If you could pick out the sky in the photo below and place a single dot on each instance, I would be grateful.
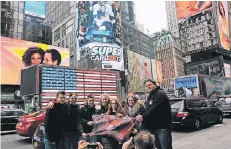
(152, 14)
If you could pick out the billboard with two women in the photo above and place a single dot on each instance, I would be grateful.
(98, 33)
(223, 24)
(19, 54)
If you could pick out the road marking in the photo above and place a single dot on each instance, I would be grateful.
(20, 138)
(3, 132)
(218, 125)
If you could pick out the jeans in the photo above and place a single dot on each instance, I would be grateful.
(53, 145)
(70, 140)
(163, 138)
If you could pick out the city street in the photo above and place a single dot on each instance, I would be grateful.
(213, 137)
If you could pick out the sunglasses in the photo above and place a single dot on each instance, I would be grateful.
(74, 98)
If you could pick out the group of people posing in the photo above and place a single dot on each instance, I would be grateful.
(65, 122)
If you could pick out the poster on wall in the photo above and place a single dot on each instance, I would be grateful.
(99, 35)
(139, 69)
(185, 9)
(223, 24)
(227, 68)
(159, 72)
(35, 8)
(19, 54)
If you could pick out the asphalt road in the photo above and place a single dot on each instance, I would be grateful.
(182, 139)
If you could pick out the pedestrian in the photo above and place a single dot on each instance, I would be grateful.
(114, 108)
(104, 103)
(72, 128)
(157, 118)
(87, 112)
(133, 107)
(53, 123)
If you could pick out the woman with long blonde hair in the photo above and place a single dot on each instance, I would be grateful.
(115, 108)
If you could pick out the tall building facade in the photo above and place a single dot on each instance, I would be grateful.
(128, 12)
(201, 37)
(172, 18)
(62, 14)
(16, 24)
(12, 19)
(168, 53)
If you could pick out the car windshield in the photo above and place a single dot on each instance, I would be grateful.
(12, 113)
(176, 104)
(227, 100)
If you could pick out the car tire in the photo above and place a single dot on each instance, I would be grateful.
(220, 119)
(197, 124)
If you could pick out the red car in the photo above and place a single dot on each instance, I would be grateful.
(28, 124)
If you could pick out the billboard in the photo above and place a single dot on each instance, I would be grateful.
(187, 82)
(98, 34)
(223, 24)
(227, 68)
(19, 54)
(159, 72)
(185, 9)
(35, 8)
(139, 69)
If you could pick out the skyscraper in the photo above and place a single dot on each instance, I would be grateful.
(172, 18)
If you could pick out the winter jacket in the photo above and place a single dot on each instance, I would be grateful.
(53, 122)
(158, 111)
(72, 120)
(102, 110)
(86, 113)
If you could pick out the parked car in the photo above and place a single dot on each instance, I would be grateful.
(38, 137)
(28, 124)
(224, 103)
(9, 118)
(194, 113)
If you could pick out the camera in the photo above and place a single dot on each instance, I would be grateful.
(92, 145)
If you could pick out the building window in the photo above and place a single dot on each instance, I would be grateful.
(57, 35)
(67, 42)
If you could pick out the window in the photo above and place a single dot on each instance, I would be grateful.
(67, 42)
(57, 34)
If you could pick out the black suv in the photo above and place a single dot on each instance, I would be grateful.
(194, 113)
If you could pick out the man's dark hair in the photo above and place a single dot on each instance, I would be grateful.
(26, 58)
(60, 92)
(55, 55)
(144, 140)
(150, 80)
(71, 94)
(90, 96)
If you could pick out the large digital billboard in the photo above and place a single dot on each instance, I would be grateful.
(139, 69)
(19, 54)
(35, 8)
(223, 24)
(185, 9)
(98, 33)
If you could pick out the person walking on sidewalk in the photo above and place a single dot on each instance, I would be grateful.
(157, 118)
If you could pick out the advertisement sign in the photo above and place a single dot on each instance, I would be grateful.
(187, 82)
(99, 37)
(139, 69)
(185, 9)
(223, 24)
(159, 72)
(227, 69)
(35, 8)
(19, 54)
(82, 81)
